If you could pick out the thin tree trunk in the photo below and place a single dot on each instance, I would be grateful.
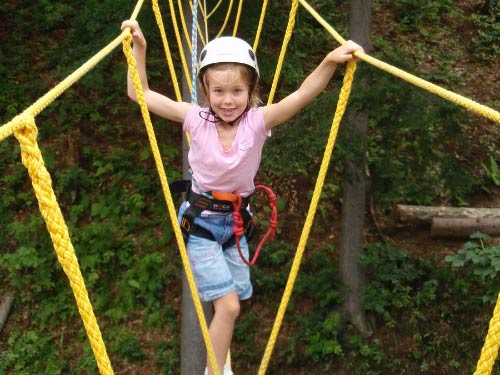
(355, 183)
(5, 306)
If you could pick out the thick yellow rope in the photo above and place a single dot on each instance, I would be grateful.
(489, 352)
(134, 75)
(435, 89)
(286, 40)
(32, 159)
(341, 106)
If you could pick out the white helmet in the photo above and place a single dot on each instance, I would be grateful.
(228, 49)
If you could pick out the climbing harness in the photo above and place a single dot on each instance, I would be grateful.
(225, 203)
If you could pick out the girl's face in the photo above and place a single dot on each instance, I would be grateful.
(227, 92)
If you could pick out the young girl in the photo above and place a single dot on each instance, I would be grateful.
(227, 137)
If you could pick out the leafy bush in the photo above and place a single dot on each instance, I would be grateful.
(482, 259)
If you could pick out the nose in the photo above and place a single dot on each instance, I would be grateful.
(227, 98)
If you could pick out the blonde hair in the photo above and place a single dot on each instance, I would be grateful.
(248, 74)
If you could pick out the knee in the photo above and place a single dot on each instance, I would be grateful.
(229, 306)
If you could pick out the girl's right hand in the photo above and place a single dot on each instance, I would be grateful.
(137, 35)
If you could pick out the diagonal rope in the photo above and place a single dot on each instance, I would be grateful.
(238, 17)
(259, 27)
(127, 49)
(341, 106)
(288, 35)
(489, 352)
(166, 47)
(419, 82)
(54, 220)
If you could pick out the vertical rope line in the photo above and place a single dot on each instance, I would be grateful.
(194, 53)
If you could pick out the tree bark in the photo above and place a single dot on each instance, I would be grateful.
(355, 182)
(463, 227)
(5, 307)
(193, 351)
(425, 214)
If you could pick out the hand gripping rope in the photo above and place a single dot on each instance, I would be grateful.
(239, 228)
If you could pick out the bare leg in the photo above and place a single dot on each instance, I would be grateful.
(226, 310)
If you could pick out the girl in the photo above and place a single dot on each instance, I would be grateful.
(227, 137)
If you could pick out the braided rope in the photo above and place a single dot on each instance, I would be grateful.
(489, 352)
(238, 17)
(259, 27)
(134, 75)
(194, 52)
(226, 19)
(32, 159)
(341, 106)
(166, 48)
(433, 88)
(288, 35)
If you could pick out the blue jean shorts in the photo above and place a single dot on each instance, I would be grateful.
(218, 272)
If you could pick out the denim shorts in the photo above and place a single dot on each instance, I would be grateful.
(218, 272)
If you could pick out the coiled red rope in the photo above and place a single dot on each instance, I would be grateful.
(239, 229)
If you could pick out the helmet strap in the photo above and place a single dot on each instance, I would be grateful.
(211, 113)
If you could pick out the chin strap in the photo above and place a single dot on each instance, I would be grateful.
(211, 113)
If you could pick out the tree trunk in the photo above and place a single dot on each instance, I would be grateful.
(5, 306)
(425, 214)
(193, 351)
(355, 182)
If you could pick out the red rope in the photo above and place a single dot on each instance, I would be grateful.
(239, 229)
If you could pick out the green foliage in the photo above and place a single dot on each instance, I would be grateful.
(486, 42)
(400, 283)
(493, 172)
(480, 258)
(29, 353)
(413, 14)
(410, 158)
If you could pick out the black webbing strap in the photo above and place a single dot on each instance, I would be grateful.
(199, 203)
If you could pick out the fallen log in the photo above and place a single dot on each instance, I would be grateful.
(5, 307)
(463, 227)
(425, 214)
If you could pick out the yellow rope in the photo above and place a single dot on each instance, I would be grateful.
(286, 40)
(166, 48)
(261, 23)
(183, 22)
(226, 19)
(489, 352)
(214, 9)
(32, 159)
(435, 89)
(238, 17)
(341, 106)
(134, 75)
(180, 46)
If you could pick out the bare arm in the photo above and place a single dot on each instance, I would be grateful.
(156, 102)
(312, 86)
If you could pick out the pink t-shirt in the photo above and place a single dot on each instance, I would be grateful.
(228, 170)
